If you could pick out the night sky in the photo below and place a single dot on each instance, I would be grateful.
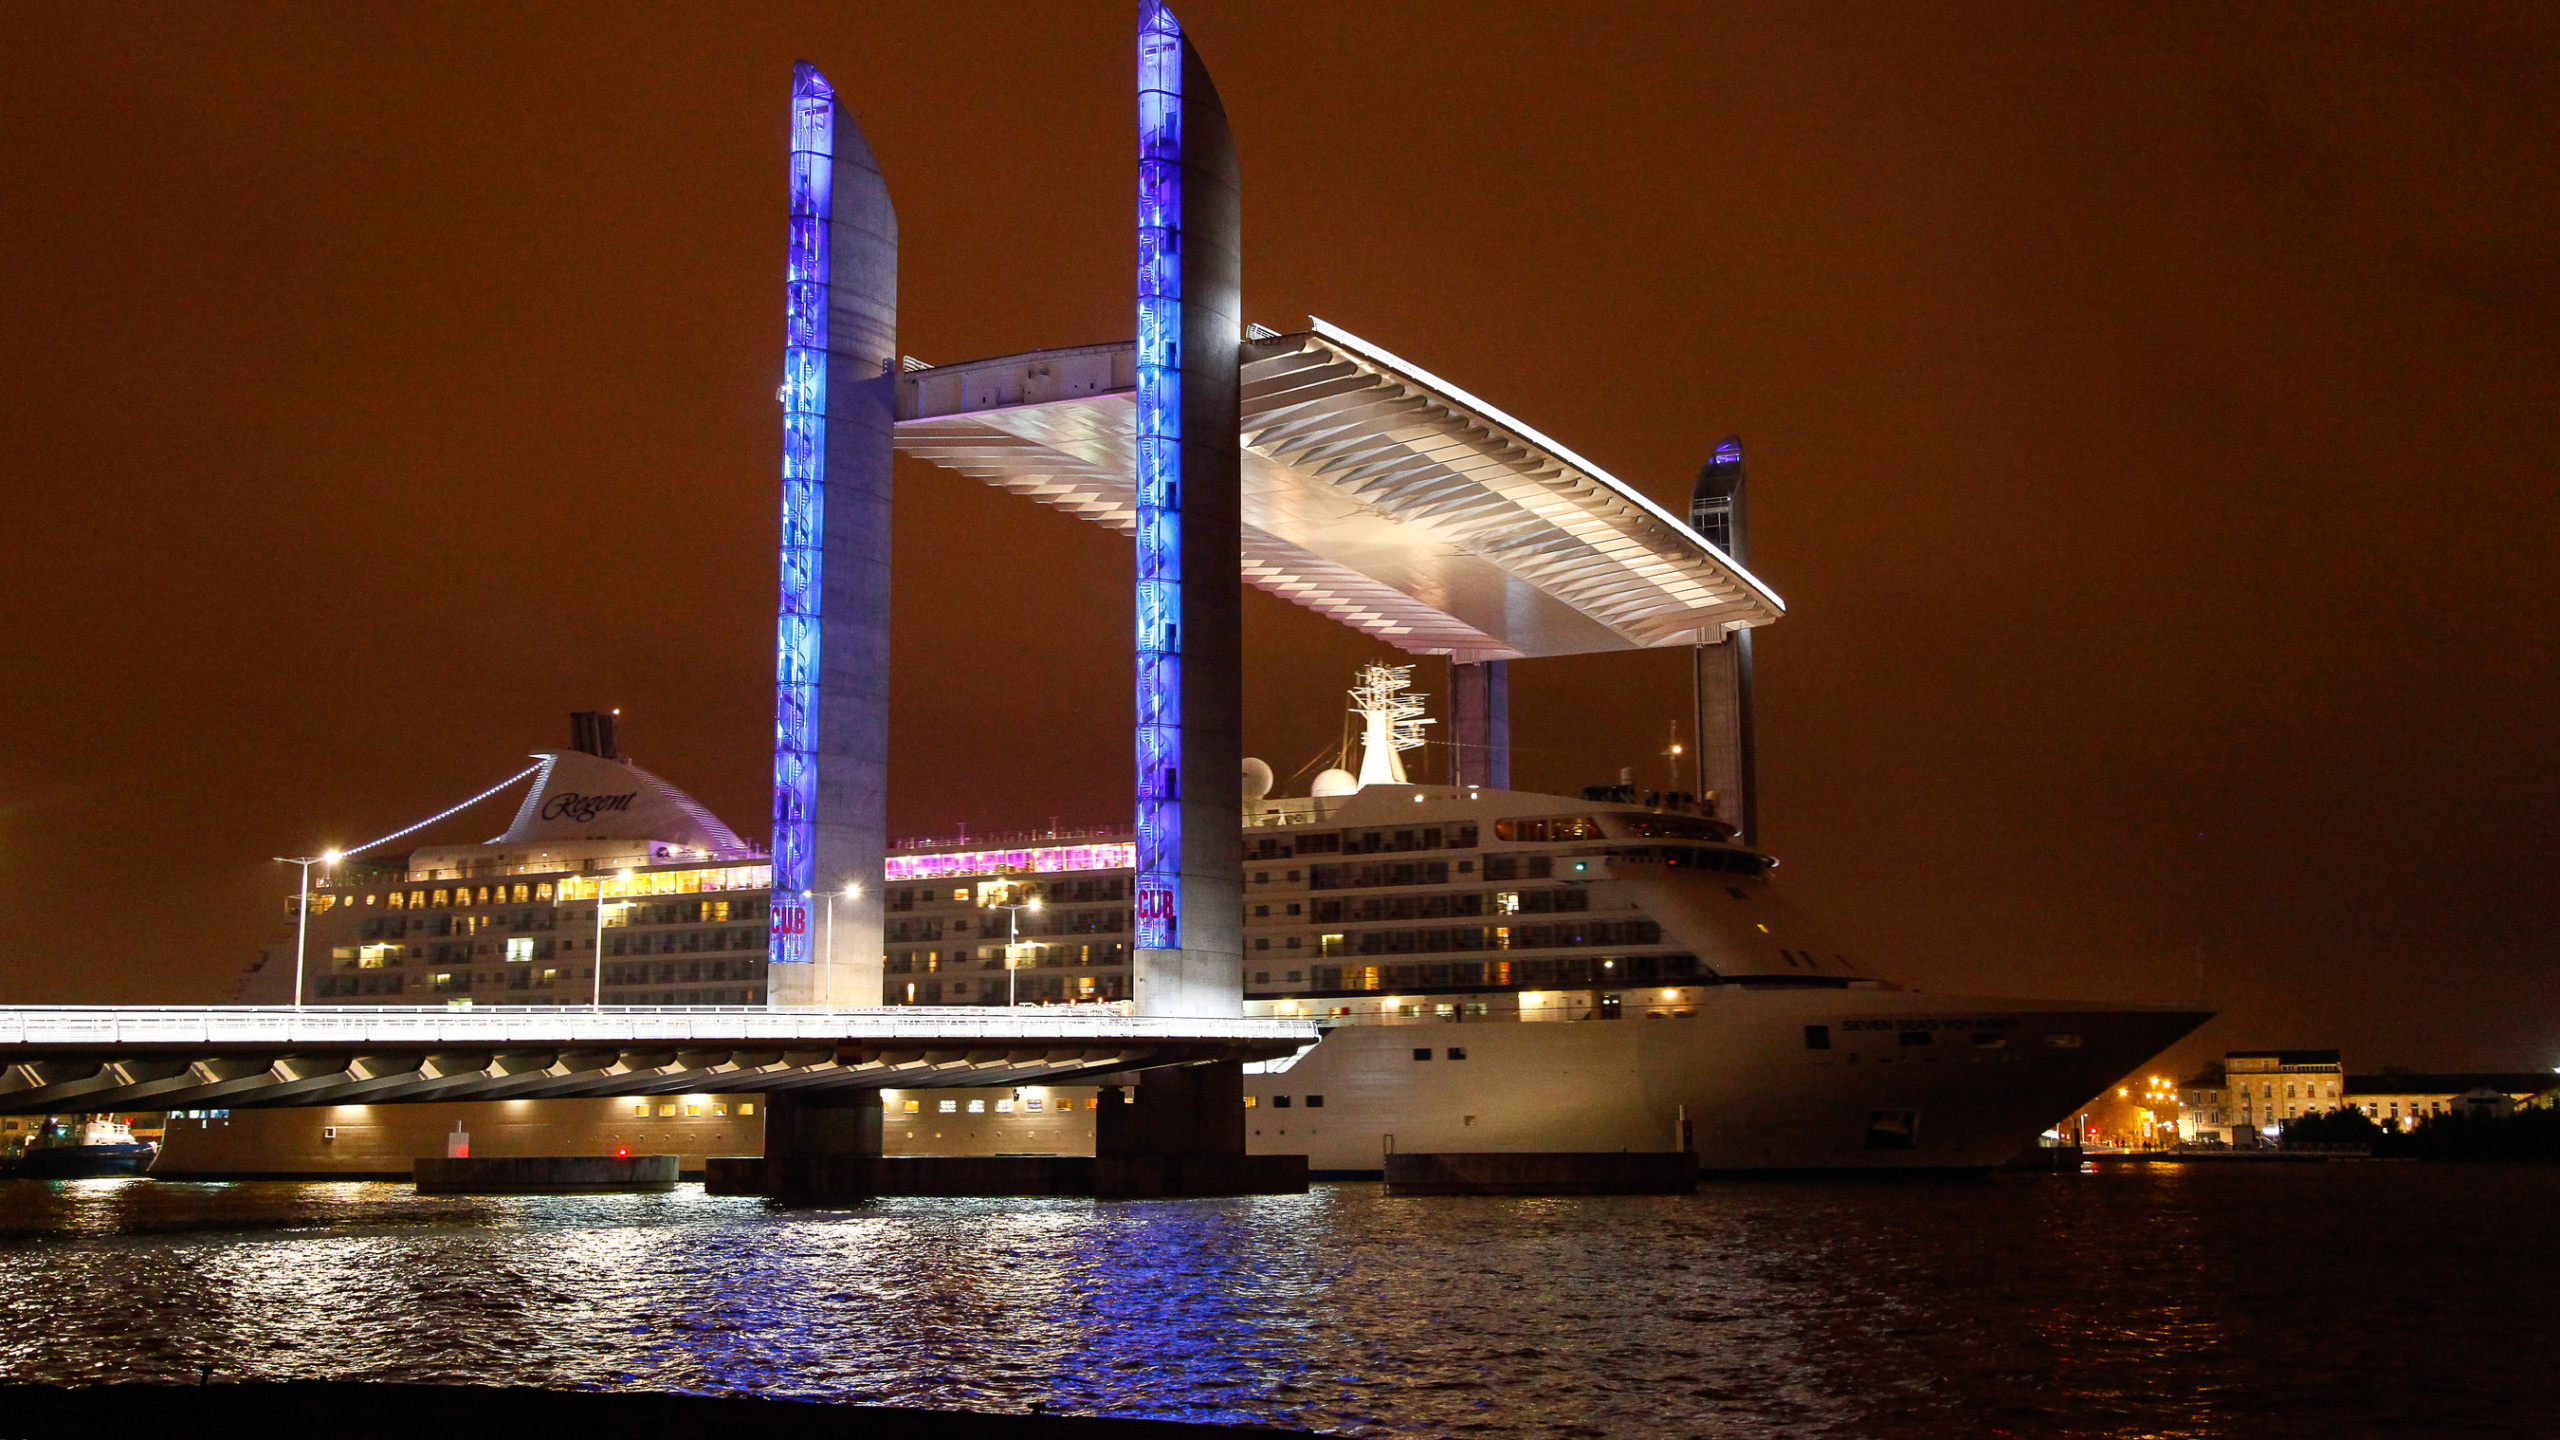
(2151, 418)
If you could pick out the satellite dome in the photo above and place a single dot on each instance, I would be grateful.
(1257, 780)
(1336, 782)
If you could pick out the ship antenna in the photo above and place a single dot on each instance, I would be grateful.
(1391, 722)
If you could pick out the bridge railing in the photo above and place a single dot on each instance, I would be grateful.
(262, 1026)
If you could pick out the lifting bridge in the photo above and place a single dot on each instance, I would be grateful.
(61, 1059)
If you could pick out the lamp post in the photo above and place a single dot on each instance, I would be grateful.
(852, 891)
(597, 965)
(302, 917)
(1013, 942)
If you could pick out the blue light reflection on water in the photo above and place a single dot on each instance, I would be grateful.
(2310, 1301)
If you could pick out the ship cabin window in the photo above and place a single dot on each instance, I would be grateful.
(1817, 1037)
(1279, 1102)
(1730, 862)
(1676, 827)
(947, 1107)
(1457, 1052)
(1422, 1052)
(1315, 1102)
(912, 1107)
(1560, 827)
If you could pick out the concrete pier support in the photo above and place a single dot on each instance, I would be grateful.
(811, 1124)
(817, 1143)
(1180, 1131)
(1480, 722)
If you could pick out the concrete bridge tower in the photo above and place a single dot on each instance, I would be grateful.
(831, 680)
(1190, 576)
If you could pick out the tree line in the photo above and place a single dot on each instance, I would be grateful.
(2527, 1134)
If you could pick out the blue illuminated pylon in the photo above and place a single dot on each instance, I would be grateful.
(1159, 481)
(1190, 577)
(804, 474)
(831, 639)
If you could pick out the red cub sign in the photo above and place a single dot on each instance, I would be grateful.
(790, 917)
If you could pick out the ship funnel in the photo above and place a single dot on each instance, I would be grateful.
(591, 733)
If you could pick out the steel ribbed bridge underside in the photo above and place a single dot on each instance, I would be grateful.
(65, 1060)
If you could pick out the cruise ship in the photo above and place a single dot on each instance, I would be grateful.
(1497, 970)
(1493, 970)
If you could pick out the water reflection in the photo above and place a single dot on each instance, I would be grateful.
(2168, 1303)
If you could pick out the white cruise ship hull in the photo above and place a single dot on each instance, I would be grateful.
(1738, 1082)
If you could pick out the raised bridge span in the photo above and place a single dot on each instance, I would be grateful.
(63, 1059)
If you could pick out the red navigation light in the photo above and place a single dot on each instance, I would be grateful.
(622, 1152)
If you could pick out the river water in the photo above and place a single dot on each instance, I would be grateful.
(2322, 1300)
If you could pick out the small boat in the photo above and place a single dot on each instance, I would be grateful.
(84, 1149)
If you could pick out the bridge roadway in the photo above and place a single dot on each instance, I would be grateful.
(70, 1059)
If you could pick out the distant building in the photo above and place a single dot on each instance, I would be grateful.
(2254, 1092)
(2398, 1099)
(2202, 1106)
(2258, 1090)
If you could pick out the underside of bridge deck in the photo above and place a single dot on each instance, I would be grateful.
(69, 1081)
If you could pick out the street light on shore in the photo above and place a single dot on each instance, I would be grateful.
(1012, 943)
(302, 917)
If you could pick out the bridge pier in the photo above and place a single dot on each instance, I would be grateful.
(1180, 1131)
(821, 1125)
(816, 1143)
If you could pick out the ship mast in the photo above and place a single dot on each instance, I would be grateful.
(1391, 722)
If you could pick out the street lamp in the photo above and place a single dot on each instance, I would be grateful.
(302, 920)
(596, 959)
(1013, 942)
(852, 891)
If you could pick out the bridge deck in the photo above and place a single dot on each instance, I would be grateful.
(63, 1059)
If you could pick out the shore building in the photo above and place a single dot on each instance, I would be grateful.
(2398, 1098)
(2256, 1091)
(2269, 1087)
